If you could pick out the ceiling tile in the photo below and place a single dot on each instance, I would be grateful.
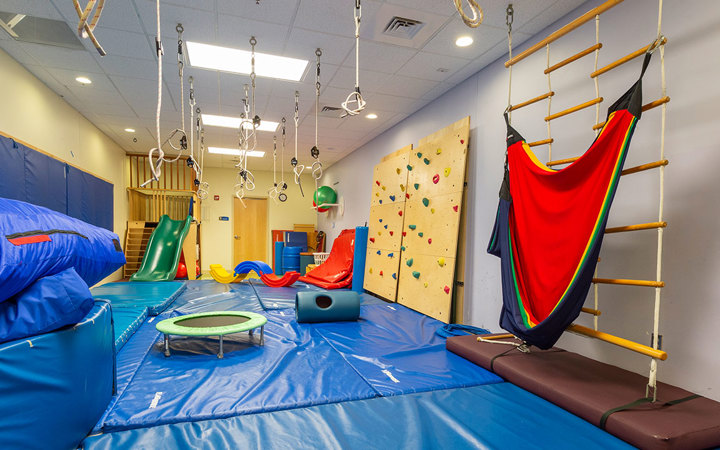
(484, 38)
(302, 44)
(35, 8)
(380, 57)
(62, 58)
(236, 31)
(199, 25)
(431, 66)
(443, 8)
(267, 11)
(407, 86)
(369, 80)
(334, 17)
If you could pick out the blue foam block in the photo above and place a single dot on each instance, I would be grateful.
(126, 322)
(361, 238)
(493, 416)
(293, 369)
(155, 295)
(55, 386)
(397, 351)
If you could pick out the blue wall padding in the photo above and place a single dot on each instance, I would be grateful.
(93, 252)
(45, 183)
(361, 238)
(293, 369)
(156, 296)
(55, 386)
(127, 321)
(46, 305)
(397, 351)
(327, 306)
(296, 239)
(36, 178)
(278, 258)
(492, 416)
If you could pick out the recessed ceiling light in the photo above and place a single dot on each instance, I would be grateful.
(235, 152)
(464, 41)
(234, 60)
(234, 122)
(83, 80)
(371, 116)
(130, 130)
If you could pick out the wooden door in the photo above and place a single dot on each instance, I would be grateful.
(250, 230)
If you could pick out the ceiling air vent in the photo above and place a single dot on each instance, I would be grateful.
(38, 30)
(401, 27)
(331, 111)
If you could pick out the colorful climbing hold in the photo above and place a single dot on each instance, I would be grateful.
(394, 276)
(447, 171)
(390, 255)
(438, 151)
(404, 233)
(372, 240)
(391, 233)
(377, 182)
(383, 188)
(402, 188)
(455, 208)
(429, 240)
(412, 227)
(402, 247)
(397, 170)
(377, 194)
(370, 270)
(379, 252)
(381, 273)
(462, 141)
(380, 201)
(441, 262)
(426, 201)
(380, 220)
(426, 161)
(386, 226)
(379, 233)
(425, 284)
(436, 178)
(416, 274)
(417, 185)
(399, 213)
(421, 234)
(432, 210)
(392, 198)
(409, 167)
(419, 155)
(407, 195)
(409, 262)
(446, 289)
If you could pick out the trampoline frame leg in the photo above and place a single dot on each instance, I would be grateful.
(221, 355)
(262, 335)
(167, 345)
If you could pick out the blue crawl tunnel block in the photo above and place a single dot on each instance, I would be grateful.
(55, 386)
(327, 306)
(156, 296)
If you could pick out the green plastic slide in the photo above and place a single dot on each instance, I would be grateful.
(162, 254)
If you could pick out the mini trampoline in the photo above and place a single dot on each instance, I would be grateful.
(215, 323)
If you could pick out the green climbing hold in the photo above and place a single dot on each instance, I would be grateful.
(420, 234)
(409, 167)
(417, 186)
(402, 247)
(419, 155)
(412, 227)
(426, 201)
(416, 274)
(426, 161)
(409, 262)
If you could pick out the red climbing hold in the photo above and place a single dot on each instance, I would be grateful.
(429, 240)
(404, 233)
(372, 240)
(399, 213)
(455, 208)
(462, 141)
(407, 195)
(381, 274)
(391, 233)
(436, 178)
(446, 289)
(378, 183)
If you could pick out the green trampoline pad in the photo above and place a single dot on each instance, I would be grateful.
(215, 323)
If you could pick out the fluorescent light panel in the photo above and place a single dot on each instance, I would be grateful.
(234, 122)
(234, 60)
(235, 152)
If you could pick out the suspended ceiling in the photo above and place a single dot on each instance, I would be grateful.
(397, 76)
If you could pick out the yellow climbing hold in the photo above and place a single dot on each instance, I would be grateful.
(370, 270)
(425, 283)
(441, 262)
(402, 188)
(438, 151)
(447, 172)
(432, 210)
(377, 194)
(397, 170)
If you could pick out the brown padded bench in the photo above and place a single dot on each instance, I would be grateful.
(589, 389)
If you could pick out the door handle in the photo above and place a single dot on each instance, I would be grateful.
(237, 237)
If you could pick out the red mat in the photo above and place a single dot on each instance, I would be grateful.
(336, 271)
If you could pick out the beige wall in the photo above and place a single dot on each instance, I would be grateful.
(216, 235)
(33, 113)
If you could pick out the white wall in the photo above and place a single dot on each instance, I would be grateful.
(217, 236)
(691, 301)
(33, 113)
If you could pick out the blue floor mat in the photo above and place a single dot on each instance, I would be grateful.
(126, 321)
(397, 351)
(293, 369)
(492, 416)
(209, 295)
(155, 295)
(284, 297)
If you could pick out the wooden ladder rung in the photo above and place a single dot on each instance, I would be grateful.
(624, 282)
(532, 100)
(543, 142)
(636, 227)
(562, 161)
(646, 107)
(574, 57)
(594, 312)
(643, 167)
(625, 59)
(621, 342)
(574, 109)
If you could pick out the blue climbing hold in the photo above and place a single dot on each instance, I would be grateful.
(392, 198)
(378, 252)
(390, 255)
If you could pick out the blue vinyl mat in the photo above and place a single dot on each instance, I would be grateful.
(155, 295)
(491, 416)
(284, 297)
(126, 321)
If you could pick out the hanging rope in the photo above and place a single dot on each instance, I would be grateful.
(191, 162)
(316, 167)
(509, 16)
(282, 196)
(477, 13)
(354, 102)
(297, 168)
(203, 188)
(248, 131)
(85, 29)
(273, 192)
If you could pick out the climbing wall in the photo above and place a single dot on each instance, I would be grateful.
(387, 208)
(432, 218)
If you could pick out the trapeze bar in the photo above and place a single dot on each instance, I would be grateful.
(621, 342)
(626, 58)
(594, 312)
(637, 227)
(643, 167)
(543, 142)
(574, 109)
(496, 336)
(588, 16)
(645, 107)
(575, 57)
(562, 161)
(532, 100)
(645, 283)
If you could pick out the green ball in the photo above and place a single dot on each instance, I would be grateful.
(324, 195)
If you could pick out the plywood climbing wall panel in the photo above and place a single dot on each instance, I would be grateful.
(387, 208)
(436, 179)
